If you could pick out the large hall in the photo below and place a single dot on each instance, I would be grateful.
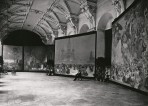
(73, 53)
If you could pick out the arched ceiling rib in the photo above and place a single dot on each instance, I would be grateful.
(43, 17)
(45, 24)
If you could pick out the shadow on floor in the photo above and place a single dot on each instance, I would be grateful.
(4, 92)
(2, 85)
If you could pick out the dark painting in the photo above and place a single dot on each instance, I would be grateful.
(12, 56)
(35, 57)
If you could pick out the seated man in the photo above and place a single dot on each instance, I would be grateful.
(78, 76)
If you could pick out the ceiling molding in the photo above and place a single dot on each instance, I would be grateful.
(49, 24)
(93, 1)
(50, 8)
(15, 21)
(13, 18)
(56, 16)
(66, 3)
(30, 15)
(36, 11)
(75, 1)
(43, 29)
(44, 23)
(29, 8)
(17, 7)
(17, 14)
(36, 31)
(39, 29)
(52, 19)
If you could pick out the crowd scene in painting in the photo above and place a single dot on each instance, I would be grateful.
(100, 72)
(86, 69)
(134, 77)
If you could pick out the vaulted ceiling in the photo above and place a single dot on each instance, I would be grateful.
(44, 17)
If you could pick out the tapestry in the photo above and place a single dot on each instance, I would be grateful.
(130, 47)
(75, 54)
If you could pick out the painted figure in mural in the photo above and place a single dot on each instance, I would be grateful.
(85, 10)
(107, 73)
(1, 65)
(117, 44)
(146, 81)
(117, 6)
(131, 44)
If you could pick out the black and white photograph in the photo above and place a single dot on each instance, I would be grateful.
(73, 52)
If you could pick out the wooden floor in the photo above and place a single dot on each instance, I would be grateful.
(37, 89)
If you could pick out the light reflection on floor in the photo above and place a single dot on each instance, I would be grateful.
(37, 89)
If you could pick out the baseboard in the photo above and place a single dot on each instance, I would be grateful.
(128, 87)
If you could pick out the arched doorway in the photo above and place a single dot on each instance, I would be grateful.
(105, 23)
(22, 37)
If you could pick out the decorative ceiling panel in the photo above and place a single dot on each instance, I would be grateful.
(41, 30)
(41, 5)
(75, 1)
(52, 17)
(16, 18)
(32, 20)
(43, 17)
(74, 7)
(52, 24)
(15, 25)
(16, 7)
(45, 24)
(60, 16)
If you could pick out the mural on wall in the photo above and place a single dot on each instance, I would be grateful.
(75, 53)
(0, 49)
(12, 56)
(130, 47)
(35, 58)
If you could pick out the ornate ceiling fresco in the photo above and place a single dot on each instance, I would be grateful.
(44, 17)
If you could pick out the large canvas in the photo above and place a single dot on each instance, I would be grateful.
(0, 49)
(35, 58)
(130, 47)
(75, 53)
(12, 56)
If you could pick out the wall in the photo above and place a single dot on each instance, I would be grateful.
(128, 3)
(105, 15)
(0, 49)
(83, 20)
(104, 18)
